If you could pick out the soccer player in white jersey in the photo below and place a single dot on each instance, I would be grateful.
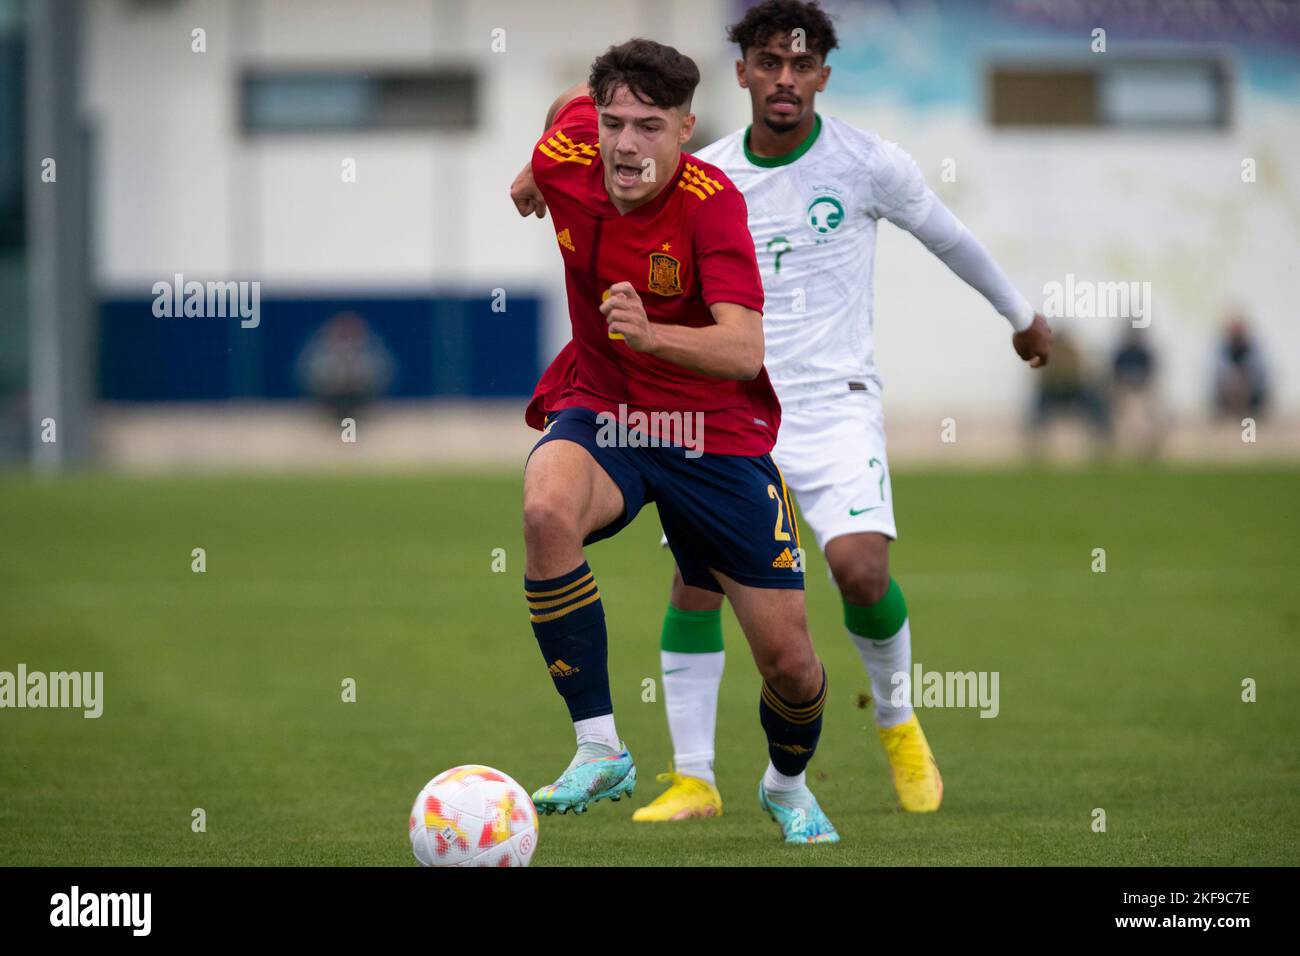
(816, 189)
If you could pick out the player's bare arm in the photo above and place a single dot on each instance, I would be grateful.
(732, 349)
(525, 194)
(563, 100)
(523, 191)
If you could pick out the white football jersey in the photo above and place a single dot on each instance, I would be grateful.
(813, 215)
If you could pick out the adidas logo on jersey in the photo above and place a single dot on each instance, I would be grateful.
(784, 560)
(565, 240)
(561, 669)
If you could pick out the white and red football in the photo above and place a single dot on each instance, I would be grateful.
(473, 816)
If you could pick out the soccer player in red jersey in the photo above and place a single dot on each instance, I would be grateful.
(666, 304)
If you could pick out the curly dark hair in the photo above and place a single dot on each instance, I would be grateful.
(760, 23)
(654, 73)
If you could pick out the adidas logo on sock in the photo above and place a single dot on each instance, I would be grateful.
(792, 748)
(561, 669)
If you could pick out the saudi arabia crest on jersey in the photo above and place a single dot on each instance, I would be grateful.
(826, 211)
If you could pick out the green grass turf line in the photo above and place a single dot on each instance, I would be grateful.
(1118, 690)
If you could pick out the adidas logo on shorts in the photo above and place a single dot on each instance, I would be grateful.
(784, 560)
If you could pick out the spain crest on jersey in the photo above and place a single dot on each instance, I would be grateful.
(665, 274)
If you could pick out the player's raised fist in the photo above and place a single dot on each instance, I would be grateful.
(527, 197)
(1034, 344)
(624, 313)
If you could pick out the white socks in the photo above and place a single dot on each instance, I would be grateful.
(597, 734)
(774, 781)
(884, 659)
(691, 683)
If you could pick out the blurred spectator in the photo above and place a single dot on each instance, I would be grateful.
(345, 365)
(1064, 388)
(1134, 406)
(1240, 380)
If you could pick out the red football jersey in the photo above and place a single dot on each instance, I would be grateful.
(686, 249)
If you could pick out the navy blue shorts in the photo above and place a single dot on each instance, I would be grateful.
(730, 513)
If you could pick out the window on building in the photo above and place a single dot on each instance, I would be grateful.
(1120, 93)
(283, 101)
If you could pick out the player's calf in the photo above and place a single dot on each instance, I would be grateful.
(875, 615)
(569, 624)
(566, 497)
(564, 608)
(692, 657)
(793, 729)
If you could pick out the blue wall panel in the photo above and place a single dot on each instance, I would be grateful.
(440, 346)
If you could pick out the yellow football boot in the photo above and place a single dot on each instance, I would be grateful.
(916, 775)
(687, 799)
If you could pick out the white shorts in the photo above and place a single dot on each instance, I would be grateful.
(831, 453)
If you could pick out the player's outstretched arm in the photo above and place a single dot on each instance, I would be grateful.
(954, 245)
(732, 348)
(904, 199)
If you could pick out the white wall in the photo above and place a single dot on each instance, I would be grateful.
(182, 189)
(1170, 209)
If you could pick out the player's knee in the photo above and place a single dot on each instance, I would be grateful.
(773, 668)
(864, 581)
(547, 519)
(792, 670)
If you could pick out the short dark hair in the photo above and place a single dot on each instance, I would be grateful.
(760, 23)
(652, 72)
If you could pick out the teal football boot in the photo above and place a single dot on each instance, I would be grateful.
(593, 774)
(797, 814)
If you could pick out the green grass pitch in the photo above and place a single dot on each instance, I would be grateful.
(1119, 691)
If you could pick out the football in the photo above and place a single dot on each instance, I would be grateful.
(473, 816)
